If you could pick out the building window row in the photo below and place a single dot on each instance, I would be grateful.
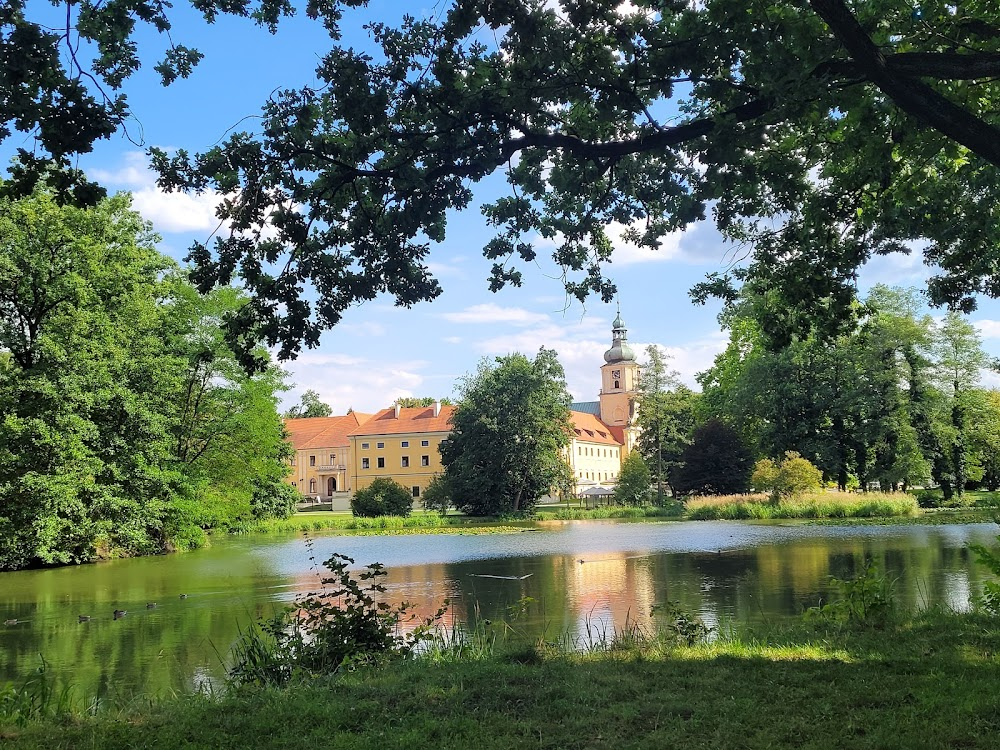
(596, 475)
(404, 462)
(402, 444)
(601, 452)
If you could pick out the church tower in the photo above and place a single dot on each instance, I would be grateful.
(619, 379)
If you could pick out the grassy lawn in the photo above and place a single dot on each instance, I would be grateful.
(926, 684)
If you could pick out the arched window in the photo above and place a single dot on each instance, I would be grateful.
(312, 486)
(618, 384)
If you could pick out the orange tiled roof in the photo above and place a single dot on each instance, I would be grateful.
(323, 432)
(418, 419)
(590, 429)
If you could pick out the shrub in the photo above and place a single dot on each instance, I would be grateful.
(383, 497)
(344, 624)
(274, 500)
(867, 600)
(790, 477)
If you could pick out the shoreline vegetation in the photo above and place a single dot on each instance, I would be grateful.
(823, 507)
(921, 682)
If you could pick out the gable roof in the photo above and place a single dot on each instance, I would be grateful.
(323, 432)
(589, 429)
(416, 419)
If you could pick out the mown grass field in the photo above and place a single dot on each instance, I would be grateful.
(930, 683)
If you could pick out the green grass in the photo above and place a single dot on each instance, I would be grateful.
(930, 683)
(810, 505)
(418, 523)
(608, 511)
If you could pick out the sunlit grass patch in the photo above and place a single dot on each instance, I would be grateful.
(809, 505)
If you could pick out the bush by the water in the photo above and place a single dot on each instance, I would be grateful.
(808, 505)
(790, 476)
(383, 497)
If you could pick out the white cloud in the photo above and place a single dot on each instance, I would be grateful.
(354, 382)
(988, 329)
(365, 328)
(492, 313)
(453, 339)
(676, 246)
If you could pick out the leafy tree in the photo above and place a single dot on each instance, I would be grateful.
(717, 462)
(383, 497)
(229, 435)
(509, 434)
(84, 433)
(665, 418)
(852, 130)
(126, 426)
(984, 438)
(633, 481)
(960, 358)
(789, 477)
(437, 496)
(310, 406)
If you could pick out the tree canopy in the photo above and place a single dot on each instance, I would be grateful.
(818, 134)
(310, 406)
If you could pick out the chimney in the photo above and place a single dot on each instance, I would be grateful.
(397, 410)
(437, 408)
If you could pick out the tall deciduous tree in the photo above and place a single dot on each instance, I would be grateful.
(960, 358)
(665, 419)
(125, 424)
(509, 435)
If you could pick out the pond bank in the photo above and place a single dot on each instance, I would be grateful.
(929, 683)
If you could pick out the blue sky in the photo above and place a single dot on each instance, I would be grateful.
(380, 352)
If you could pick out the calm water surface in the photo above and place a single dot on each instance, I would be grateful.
(580, 575)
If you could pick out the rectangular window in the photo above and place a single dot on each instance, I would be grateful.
(365, 463)
(406, 462)
(380, 445)
(333, 458)
(312, 460)
(425, 460)
(424, 443)
(381, 462)
(404, 443)
(364, 446)
(416, 491)
(293, 461)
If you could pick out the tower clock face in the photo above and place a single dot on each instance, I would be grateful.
(616, 374)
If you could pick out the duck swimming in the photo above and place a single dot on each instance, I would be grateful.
(119, 613)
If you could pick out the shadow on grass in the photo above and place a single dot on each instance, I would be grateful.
(926, 684)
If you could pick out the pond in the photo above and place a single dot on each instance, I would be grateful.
(583, 577)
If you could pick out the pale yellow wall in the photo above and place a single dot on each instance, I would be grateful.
(320, 471)
(594, 463)
(392, 451)
(615, 402)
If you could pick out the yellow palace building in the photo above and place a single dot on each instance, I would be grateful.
(335, 456)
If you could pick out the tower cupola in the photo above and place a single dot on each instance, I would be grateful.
(620, 351)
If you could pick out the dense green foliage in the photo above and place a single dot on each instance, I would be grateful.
(892, 401)
(717, 462)
(383, 497)
(126, 425)
(790, 476)
(437, 496)
(665, 419)
(840, 133)
(633, 487)
(508, 435)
